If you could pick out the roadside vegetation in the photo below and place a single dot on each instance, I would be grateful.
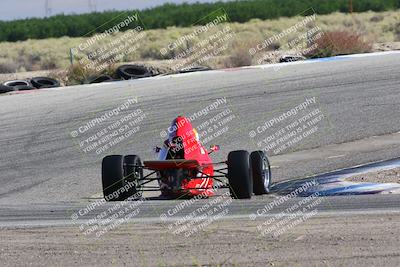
(344, 33)
(335, 43)
(183, 15)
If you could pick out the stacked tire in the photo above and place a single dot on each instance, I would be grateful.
(44, 82)
(15, 85)
(128, 72)
(34, 83)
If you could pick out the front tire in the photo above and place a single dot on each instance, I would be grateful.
(239, 174)
(118, 180)
(261, 172)
(133, 173)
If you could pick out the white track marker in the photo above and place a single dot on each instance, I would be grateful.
(337, 156)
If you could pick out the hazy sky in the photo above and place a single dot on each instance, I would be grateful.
(15, 9)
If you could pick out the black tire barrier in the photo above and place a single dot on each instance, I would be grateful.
(6, 89)
(291, 58)
(194, 69)
(128, 72)
(19, 85)
(101, 79)
(44, 82)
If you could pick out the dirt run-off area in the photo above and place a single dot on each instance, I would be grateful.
(384, 176)
(341, 240)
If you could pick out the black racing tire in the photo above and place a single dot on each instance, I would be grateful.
(19, 85)
(239, 174)
(101, 79)
(261, 172)
(133, 173)
(44, 82)
(115, 185)
(129, 72)
(6, 89)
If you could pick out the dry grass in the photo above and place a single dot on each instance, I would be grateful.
(34, 55)
(77, 74)
(339, 43)
(239, 55)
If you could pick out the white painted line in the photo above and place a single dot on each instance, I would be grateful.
(373, 54)
(97, 195)
(337, 156)
(69, 222)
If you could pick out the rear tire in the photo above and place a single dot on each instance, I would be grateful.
(261, 172)
(239, 174)
(116, 186)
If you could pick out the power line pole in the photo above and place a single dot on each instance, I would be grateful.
(351, 6)
(92, 5)
(47, 8)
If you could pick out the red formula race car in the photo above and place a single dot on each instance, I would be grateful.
(184, 169)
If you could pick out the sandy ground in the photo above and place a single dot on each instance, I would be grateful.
(351, 240)
(387, 176)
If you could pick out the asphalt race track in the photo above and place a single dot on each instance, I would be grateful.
(16, 216)
(45, 175)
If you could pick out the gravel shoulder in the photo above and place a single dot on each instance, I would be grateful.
(350, 240)
(385, 176)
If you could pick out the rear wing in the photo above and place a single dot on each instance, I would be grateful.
(159, 165)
